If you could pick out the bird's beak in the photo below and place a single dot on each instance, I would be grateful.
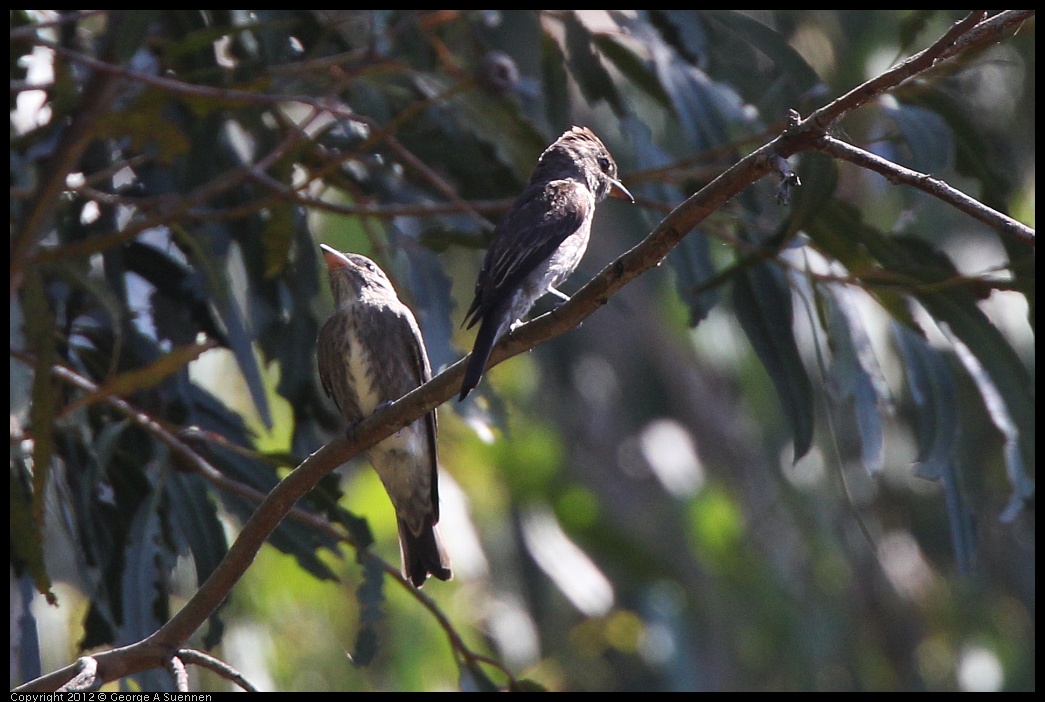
(335, 261)
(619, 192)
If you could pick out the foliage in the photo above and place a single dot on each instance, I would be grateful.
(800, 456)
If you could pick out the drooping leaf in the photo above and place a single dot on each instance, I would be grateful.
(928, 138)
(39, 324)
(144, 583)
(691, 259)
(631, 64)
(144, 377)
(370, 595)
(931, 384)
(195, 518)
(555, 79)
(762, 300)
(26, 545)
(586, 66)
(762, 63)
(857, 374)
(999, 412)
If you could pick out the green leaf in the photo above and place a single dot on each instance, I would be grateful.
(858, 375)
(556, 89)
(195, 516)
(927, 136)
(931, 384)
(1016, 441)
(762, 300)
(691, 259)
(26, 538)
(633, 66)
(143, 378)
(371, 595)
(744, 29)
(586, 67)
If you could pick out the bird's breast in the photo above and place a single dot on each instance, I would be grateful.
(362, 374)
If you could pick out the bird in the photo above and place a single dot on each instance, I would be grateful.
(370, 353)
(540, 241)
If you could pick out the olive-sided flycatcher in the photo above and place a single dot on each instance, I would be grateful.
(541, 239)
(370, 352)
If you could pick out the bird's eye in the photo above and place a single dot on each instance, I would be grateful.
(604, 163)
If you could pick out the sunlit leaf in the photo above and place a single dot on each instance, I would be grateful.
(1000, 414)
(931, 384)
(858, 375)
(586, 67)
(143, 378)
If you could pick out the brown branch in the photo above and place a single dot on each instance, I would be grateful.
(896, 173)
(191, 655)
(968, 33)
(87, 670)
(176, 668)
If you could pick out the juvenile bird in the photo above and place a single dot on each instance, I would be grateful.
(541, 239)
(371, 352)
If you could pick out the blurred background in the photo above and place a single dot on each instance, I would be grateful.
(796, 456)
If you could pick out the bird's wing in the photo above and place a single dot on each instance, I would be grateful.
(539, 221)
(421, 372)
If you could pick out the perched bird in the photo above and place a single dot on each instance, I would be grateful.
(541, 239)
(370, 352)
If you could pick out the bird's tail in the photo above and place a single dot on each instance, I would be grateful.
(484, 343)
(422, 554)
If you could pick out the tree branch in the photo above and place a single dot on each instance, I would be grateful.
(896, 173)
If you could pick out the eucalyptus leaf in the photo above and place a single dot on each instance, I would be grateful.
(762, 300)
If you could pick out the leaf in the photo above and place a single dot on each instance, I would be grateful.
(290, 537)
(858, 375)
(195, 518)
(691, 259)
(934, 281)
(1011, 386)
(556, 91)
(139, 379)
(819, 175)
(586, 67)
(635, 67)
(707, 111)
(741, 28)
(931, 384)
(762, 300)
(131, 29)
(26, 546)
(143, 586)
(39, 323)
(927, 136)
(276, 237)
(998, 410)
(370, 595)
